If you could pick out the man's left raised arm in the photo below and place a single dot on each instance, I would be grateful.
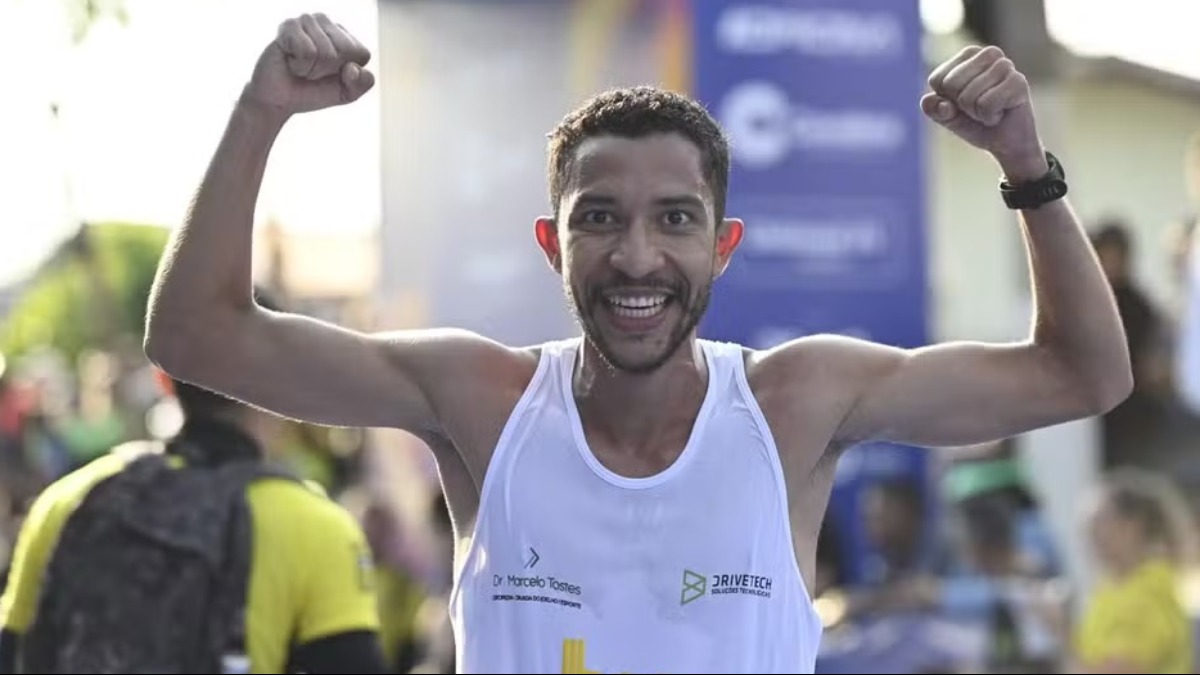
(1075, 362)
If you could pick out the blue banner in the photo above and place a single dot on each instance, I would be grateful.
(820, 99)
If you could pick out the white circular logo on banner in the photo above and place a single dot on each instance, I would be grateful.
(758, 118)
(765, 127)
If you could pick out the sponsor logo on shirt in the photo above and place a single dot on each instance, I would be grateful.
(697, 585)
(529, 586)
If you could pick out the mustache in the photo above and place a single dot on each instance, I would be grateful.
(675, 287)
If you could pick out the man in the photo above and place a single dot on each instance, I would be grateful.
(1136, 431)
(630, 498)
(308, 606)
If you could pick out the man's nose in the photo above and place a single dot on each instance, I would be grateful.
(638, 253)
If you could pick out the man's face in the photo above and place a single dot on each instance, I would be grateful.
(637, 247)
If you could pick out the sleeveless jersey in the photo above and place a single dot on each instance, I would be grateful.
(573, 568)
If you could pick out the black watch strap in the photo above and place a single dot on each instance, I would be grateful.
(1032, 194)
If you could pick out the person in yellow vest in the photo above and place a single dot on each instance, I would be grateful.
(310, 597)
(1135, 621)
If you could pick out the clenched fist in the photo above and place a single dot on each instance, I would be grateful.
(312, 64)
(981, 97)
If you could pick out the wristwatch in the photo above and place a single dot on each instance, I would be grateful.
(1032, 194)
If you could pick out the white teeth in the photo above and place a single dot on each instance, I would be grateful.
(637, 306)
(638, 301)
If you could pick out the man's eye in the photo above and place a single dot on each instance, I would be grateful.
(598, 218)
(677, 217)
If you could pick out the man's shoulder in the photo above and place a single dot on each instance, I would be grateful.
(536, 350)
(480, 358)
(514, 374)
(282, 491)
(822, 357)
(815, 378)
(57, 501)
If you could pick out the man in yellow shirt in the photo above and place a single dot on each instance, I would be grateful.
(309, 598)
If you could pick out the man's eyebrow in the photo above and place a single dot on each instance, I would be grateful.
(594, 199)
(681, 200)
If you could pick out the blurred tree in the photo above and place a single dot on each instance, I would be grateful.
(84, 14)
(70, 304)
(91, 293)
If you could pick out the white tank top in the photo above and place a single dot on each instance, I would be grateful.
(575, 569)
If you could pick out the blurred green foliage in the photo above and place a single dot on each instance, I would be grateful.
(92, 294)
(92, 291)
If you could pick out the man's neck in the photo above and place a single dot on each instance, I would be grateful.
(635, 410)
(219, 437)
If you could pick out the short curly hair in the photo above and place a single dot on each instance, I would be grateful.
(634, 112)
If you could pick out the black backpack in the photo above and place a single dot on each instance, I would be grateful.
(151, 570)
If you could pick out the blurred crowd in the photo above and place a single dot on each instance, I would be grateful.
(974, 580)
(971, 579)
(56, 416)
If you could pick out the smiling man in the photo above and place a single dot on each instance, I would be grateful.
(635, 499)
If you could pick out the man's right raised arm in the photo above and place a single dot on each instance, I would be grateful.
(203, 325)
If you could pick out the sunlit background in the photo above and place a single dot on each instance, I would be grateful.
(142, 98)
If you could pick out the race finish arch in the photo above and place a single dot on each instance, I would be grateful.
(819, 96)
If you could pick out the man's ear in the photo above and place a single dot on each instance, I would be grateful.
(729, 235)
(545, 230)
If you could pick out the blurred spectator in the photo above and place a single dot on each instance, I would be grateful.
(400, 591)
(994, 473)
(1131, 428)
(831, 571)
(1135, 621)
(894, 516)
(1183, 426)
(1179, 250)
(903, 557)
(1187, 364)
(32, 452)
(1003, 588)
(435, 629)
(408, 528)
(1179, 433)
(308, 599)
